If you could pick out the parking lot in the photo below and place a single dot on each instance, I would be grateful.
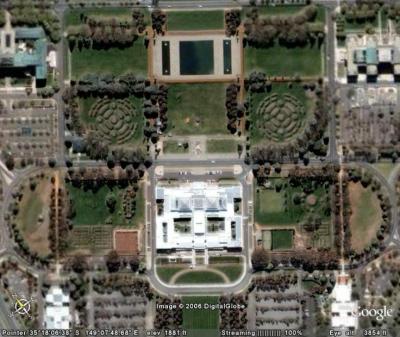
(28, 128)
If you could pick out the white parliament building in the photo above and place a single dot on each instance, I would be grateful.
(198, 215)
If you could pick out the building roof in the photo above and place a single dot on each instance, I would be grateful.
(198, 215)
(371, 55)
(57, 311)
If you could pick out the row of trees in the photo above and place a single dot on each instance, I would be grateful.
(168, 319)
(308, 260)
(158, 20)
(106, 33)
(234, 110)
(235, 318)
(290, 30)
(35, 13)
(232, 21)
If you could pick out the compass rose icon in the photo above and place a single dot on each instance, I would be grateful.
(22, 306)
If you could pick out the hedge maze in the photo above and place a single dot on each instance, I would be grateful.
(280, 117)
(115, 119)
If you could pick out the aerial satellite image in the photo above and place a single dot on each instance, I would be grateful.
(200, 168)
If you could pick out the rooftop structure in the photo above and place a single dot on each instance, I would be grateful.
(16, 53)
(372, 58)
(343, 309)
(57, 312)
(198, 215)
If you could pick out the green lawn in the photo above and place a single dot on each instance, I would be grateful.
(113, 60)
(199, 277)
(198, 320)
(233, 271)
(165, 273)
(221, 146)
(282, 61)
(282, 239)
(73, 16)
(33, 217)
(91, 209)
(195, 109)
(365, 218)
(385, 168)
(196, 20)
(171, 146)
(289, 10)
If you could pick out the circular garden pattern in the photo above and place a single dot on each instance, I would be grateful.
(280, 117)
(115, 119)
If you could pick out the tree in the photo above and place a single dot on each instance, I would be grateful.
(79, 264)
(111, 202)
(259, 259)
(113, 261)
(134, 263)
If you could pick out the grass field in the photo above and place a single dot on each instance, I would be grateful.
(221, 146)
(385, 168)
(282, 239)
(257, 134)
(165, 273)
(233, 271)
(198, 20)
(366, 216)
(279, 208)
(73, 16)
(199, 277)
(195, 109)
(85, 104)
(90, 207)
(171, 146)
(198, 320)
(33, 218)
(282, 61)
(113, 60)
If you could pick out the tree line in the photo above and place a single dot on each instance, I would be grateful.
(106, 33)
(289, 30)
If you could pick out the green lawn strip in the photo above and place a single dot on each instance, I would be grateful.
(233, 271)
(29, 213)
(31, 208)
(224, 259)
(192, 103)
(200, 319)
(196, 20)
(116, 61)
(283, 61)
(282, 239)
(199, 277)
(221, 146)
(285, 11)
(171, 146)
(165, 273)
(73, 16)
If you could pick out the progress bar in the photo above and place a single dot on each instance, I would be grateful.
(269, 333)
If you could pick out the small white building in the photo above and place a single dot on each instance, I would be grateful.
(198, 215)
(57, 312)
(343, 309)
